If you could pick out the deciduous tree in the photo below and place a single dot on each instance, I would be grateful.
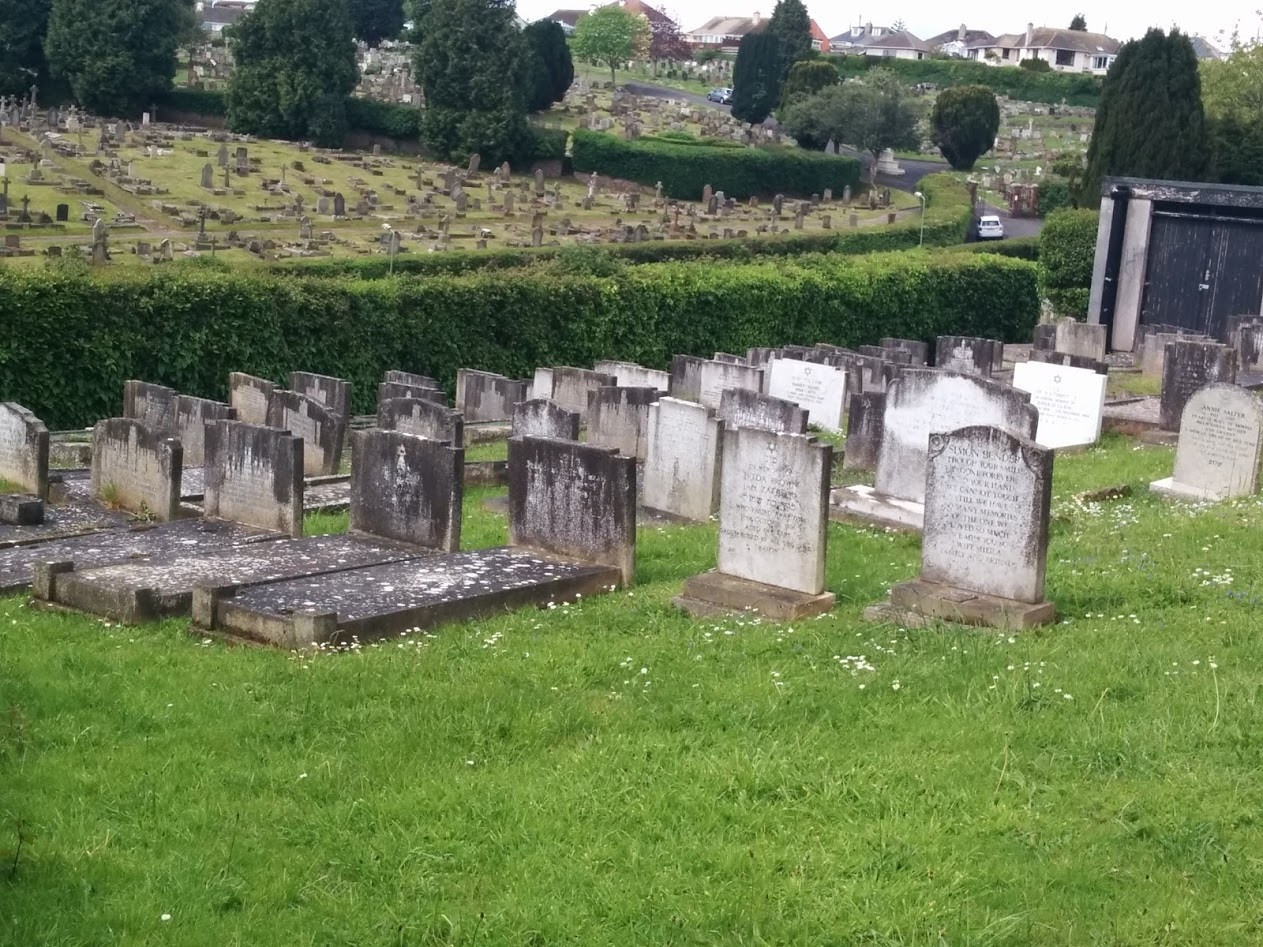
(871, 116)
(609, 36)
(1151, 122)
(756, 77)
(295, 68)
(964, 124)
(116, 55)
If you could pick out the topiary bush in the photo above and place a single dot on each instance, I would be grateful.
(1067, 250)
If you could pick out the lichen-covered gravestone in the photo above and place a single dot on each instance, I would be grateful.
(970, 356)
(921, 402)
(619, 418)
(422, 417)
(683, 454)
(254, 476)
(1217, 457)
(136, 468)
(23, 449)
(739, 407)
(543, 417)
(985, 543)
(323, 431)
(773, 514)
(1188, 366)
(249, 395)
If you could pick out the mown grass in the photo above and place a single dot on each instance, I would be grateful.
(1134, 384)
(614, 773)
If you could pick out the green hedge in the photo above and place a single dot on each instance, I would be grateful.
(947, 218)
(1050, 87)
(198, 101)
(1019, 248)
(1067, 250)
(685, 170)
(382, 118)
(77, 335)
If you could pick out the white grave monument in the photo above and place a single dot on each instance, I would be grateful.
(1070, 401)
(819, 389)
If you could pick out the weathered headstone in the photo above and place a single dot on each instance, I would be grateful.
(985, 544)
(921, 402)
(631, 375)
(574, 500)
(486, 396)
(1080, 338)
(773, 518)
(571, 387)
(704, 381)
(1070, 402)
(221, 156)
(1249, 346)
(339, 205)
(1044, 337)
(254, 475)
(1187, 367)
(1218, 454)
(421, 417)
(818, 389)
(387, 390)
(323, 431)
(683, 456)
(152, 405)
(333, 393)
(409, 378)
(191, 417)
(136, 468)
(542, 384)
(865, 420)
(208, 176)
(407, 488)
(543, 417)
(1050, 357)
(618, 418)
(917, 353)
(249, 395)
(23, 449)
(968, 355)
(739, 407)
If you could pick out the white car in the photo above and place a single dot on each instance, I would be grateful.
(990, 228)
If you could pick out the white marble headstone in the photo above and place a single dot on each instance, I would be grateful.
(682, 459)
(1221, 435)
(921, 401)
(819, 389)
(774, 508)
(986, 513)
(1070, 402)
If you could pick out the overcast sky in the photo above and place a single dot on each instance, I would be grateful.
(1122, 19)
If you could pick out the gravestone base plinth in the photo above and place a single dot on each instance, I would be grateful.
(861, 505)
(1172, 489)
(713, 594)
(21, 509)
(1158, 437)
(917, 604)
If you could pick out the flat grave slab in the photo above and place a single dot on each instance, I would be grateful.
(861, 505)
(388, 599)
(108, 546)
(72, 518)
(1131, 416)
(155, 587)
(78, 483)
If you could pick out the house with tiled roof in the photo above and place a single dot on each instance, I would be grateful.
(1206, 49)
(1063, 50)
(869, 40)
(568, 19)
(724, 32)
(819, 38)
(957, 42)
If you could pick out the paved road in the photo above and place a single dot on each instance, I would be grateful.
(914, 169)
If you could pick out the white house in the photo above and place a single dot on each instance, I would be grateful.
(869, 40)
(957, 42)
(1063, 50)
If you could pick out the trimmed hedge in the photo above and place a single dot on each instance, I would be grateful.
(1067, 250)
(1051, 87)
(947, 218)
(76, 336)
(382, 118)
(1020, 248)
(685, 170)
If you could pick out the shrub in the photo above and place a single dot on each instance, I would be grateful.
(685, 170)
(1054, 195)
(188, 328)
(382, 118)
(196, 101)
(1067, 250)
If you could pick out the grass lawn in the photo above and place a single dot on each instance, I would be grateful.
(613, 773)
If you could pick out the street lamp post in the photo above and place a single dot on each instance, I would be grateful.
(921, 198)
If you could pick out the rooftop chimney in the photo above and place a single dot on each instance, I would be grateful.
(960, 34)
(1030, 33)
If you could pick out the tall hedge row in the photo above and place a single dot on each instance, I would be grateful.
(75, 337)
(1067, 250)
(1051, 87)
(685, 170)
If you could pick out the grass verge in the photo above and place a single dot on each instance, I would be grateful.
(613, 773)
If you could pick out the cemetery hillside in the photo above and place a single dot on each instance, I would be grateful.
(471, 480)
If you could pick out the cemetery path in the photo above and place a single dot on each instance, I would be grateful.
(661, 92)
